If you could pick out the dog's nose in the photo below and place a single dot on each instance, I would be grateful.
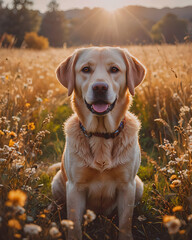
(100, 87)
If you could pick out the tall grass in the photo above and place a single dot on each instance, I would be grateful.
(33, 107)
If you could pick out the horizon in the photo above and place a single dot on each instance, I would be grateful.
(109, 6)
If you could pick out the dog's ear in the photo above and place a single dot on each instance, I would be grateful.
(136, 71)
(66, 72)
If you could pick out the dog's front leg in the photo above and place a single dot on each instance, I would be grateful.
(126, 201)
(75, 210)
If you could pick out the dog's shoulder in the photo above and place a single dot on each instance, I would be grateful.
(132, 124)
(71, 126)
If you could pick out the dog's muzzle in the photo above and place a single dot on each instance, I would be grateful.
(100, 107)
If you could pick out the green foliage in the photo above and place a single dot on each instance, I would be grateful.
(54, 143)
(34, 41)
(169, 29)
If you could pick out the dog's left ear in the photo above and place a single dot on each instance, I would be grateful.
(136, 71)
(66, 72)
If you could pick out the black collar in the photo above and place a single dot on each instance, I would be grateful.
(103, 135)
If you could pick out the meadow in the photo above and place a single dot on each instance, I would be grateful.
(33, 107)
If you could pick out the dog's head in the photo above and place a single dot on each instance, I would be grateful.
(100, 75)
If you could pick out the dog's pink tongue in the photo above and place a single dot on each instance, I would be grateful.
(100, 107)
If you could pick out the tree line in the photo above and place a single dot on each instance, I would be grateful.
(96, 26)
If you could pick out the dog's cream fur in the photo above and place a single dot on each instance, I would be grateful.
(97, 173)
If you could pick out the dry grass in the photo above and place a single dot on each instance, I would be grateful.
(33, 106)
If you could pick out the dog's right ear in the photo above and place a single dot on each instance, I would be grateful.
(66, 72)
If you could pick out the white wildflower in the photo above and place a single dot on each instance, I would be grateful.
(89, 216)
(173, 224)
(67, 223)
(38, 99)
(32, 229)
(29, 81)
(54, 232)
(170, 170)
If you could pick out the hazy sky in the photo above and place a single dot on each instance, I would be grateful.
(108, 4)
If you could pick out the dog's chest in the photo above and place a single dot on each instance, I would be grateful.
(106, 181)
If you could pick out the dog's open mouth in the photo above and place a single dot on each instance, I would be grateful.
(100, 107)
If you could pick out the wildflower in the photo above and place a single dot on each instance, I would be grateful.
(38, 99)
(11, 143)
(171, 170)
(172, 223)
(141, 218)
(31, 126)
(67, 223)
(189, 218)
(54, 232)
(17, 235)
(16, 197)
(184, 109)
(178, 209)
(32, 229)
(42, 216)
(49, 93)
(182, 232)
(46, 100)
(29, 81)
(2, 160)
(22, 217)
(6, 77)
(13, 223)
(2, 133)
(89, 216)
(27, 105)
(173, 177)
(175, 183)
(12, 134)
(16, 119)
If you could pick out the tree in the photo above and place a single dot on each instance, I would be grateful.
(53, 6)
(1, 4)
(169, 28)
(54, 25)
(19, 4)
(21, 19)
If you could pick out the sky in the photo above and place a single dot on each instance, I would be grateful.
(108, 4)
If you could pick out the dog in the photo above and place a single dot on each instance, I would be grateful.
(102, 154)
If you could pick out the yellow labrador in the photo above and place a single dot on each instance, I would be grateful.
(102, 153)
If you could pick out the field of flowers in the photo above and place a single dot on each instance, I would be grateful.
(33, 107)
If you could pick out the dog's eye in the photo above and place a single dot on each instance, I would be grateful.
(114, 70)
(86, 69)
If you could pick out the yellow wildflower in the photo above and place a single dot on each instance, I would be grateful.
(27, 105)
(167, 218)
(13, 223)
(178, 209)
(22, 217)
(31, 126)
(16, 197)
(12, 134)
(182, 232)
(173, 177)
(175, 183)
(17, 235)
(11, 143)
(6, 77)
(2, 133)
(42, 216)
